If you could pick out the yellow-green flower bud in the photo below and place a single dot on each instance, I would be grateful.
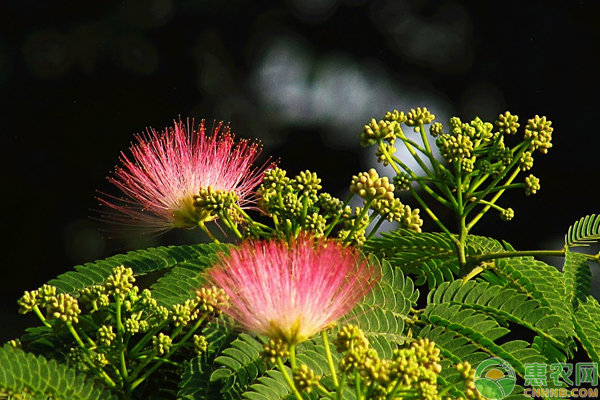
(483, 130)
(436, 129)
(392, 210)
(532, 185)
(381, 154)
(350, 337)
(120, 282)
(508, 123)
(100, 359)
(402, 181)
(209, 201)
(46, 294)
(200, 344)
(276, 348)
(411, 219)
(210, 299)
(90, 296)
(382, 130)
(305, 378)
(28, 301)
(332, 206)
(181, 314)
(132, 326)
(63, 307)
(420, 116)
(526, 161)
(307, 183)
(106, 335)
(397, 116)
(370, 186)
(454, 148)
(507, 214)
(315, 223)
(162, 343)
(539, 132)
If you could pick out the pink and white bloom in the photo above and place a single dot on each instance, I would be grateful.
(168, 169)
(291, 291)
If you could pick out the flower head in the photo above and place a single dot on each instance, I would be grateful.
(168, 170)
(291, 291)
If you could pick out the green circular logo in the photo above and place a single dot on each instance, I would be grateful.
(495, 378)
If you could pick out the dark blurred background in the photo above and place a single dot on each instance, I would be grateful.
(78, 79)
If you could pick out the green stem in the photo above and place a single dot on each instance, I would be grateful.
(498, 188)
(375, 227)
(478, 259)
(329, 358)
(333, 223)
(147, 337)
(394, 162)
(39, 314)
(210, 235)
(340, 388)
(289, 380)
(358, 220)
(431, 214)
(436, 165)
(166, 357)
(462, 243)
(357, 387)
(99, 371)
(414, 154)
(245, 215)
(120, 335)
(492, 201)
(292, 350)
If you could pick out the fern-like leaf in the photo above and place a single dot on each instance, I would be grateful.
(432, 257)
(381, 314)
(578, 278)
(141, 261)
(240, 364)
(180, 283)
(22, 372)
(469, 335)
(587, 325)
(544, 283)
(508, 305)
(584, 232)
(429, 256)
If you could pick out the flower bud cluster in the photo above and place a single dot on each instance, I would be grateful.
(467, 373)
(275, 348)
(370, 186)
(418, 117)
(538, 132)
(411, 369)
(118, 320)
(378, 193)
(305, 378)
(296, 202)
(120, 282)
(214, 202)
(384, 130)
(64, 307)
(210, 300)
(532, 185)
(162, 343)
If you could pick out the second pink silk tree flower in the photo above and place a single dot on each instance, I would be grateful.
(291, 291)
(167, 170)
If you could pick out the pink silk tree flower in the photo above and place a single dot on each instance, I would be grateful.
(168, 169)
(291, 291)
